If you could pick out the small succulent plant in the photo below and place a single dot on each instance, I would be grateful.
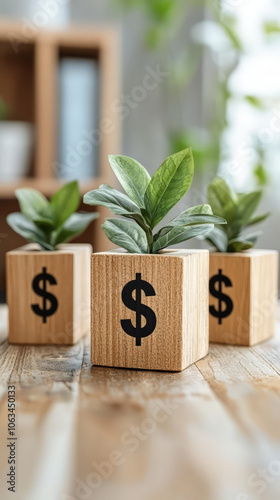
(147, 201)
(238, 209)
(53, 222)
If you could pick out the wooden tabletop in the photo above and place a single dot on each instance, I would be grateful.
(211, 432)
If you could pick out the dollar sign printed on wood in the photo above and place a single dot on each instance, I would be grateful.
(225, 304)
(141, 309)
(39, 286)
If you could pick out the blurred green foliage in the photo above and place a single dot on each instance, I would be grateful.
(163, 21)
(3, 109)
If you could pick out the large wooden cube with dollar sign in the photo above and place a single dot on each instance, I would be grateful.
(150, 311)
(48, 294)
(243, 291)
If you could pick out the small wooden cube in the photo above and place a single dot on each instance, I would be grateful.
(150, 311)
(243, 296)
(48, 294)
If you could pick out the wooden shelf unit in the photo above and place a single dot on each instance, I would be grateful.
(29, 84)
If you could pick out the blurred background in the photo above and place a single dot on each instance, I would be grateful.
(80, 79)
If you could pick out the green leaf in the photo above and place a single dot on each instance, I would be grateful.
(218, 239)
(255, 101)
(44, 224)
(133, 177)
(179, 234)
(117, 202)
(75, 225)
(222, 199)
(65, 202)
(239, 244)
(27, 229)
(247, 205)
(184, 219)
(168, 185)
(261, 174)
(34, 205)
(191, 217)
(126, 234)
(257, 219)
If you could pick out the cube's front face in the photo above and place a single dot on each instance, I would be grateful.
(40, 297)
(229, 299)
(243, 291)
(137, 311)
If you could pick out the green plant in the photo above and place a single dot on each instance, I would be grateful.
(3, 109)
(147, 201)
(53, 222)
(238, 209)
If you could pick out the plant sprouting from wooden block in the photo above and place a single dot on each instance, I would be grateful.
(147, 201)
(53, 222)
(238, 209)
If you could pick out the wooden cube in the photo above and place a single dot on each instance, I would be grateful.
(243, 296)
(150, 311)
(48, 294)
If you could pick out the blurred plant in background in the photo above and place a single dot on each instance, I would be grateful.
(226, 36)
(3, 109)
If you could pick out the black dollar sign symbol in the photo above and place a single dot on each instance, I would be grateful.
(141, 309)
(44, 312)
(220, 278)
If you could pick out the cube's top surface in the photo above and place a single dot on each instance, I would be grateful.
(254, 252)
(165, 253)
(35, 249)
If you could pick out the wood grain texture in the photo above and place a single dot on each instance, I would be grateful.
(203, 433)
(254, 293)
(70, 266)
(180, 282)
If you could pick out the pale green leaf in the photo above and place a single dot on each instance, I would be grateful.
(75, 225)
(133, 177)
(179, 234)
(27, 229)
(126, 234)
(218, 239)
(34, 205)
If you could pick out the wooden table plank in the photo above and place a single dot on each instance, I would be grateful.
(201, 433)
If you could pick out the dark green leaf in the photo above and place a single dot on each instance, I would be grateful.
(169, 184)
(239, 245)
(75, 225)
(179, 234)
(222, 199)
(45, 225)
(27, 229)
(133, 177)
(257, 219)
(65, 202)
(126, 234)
(247, 205)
